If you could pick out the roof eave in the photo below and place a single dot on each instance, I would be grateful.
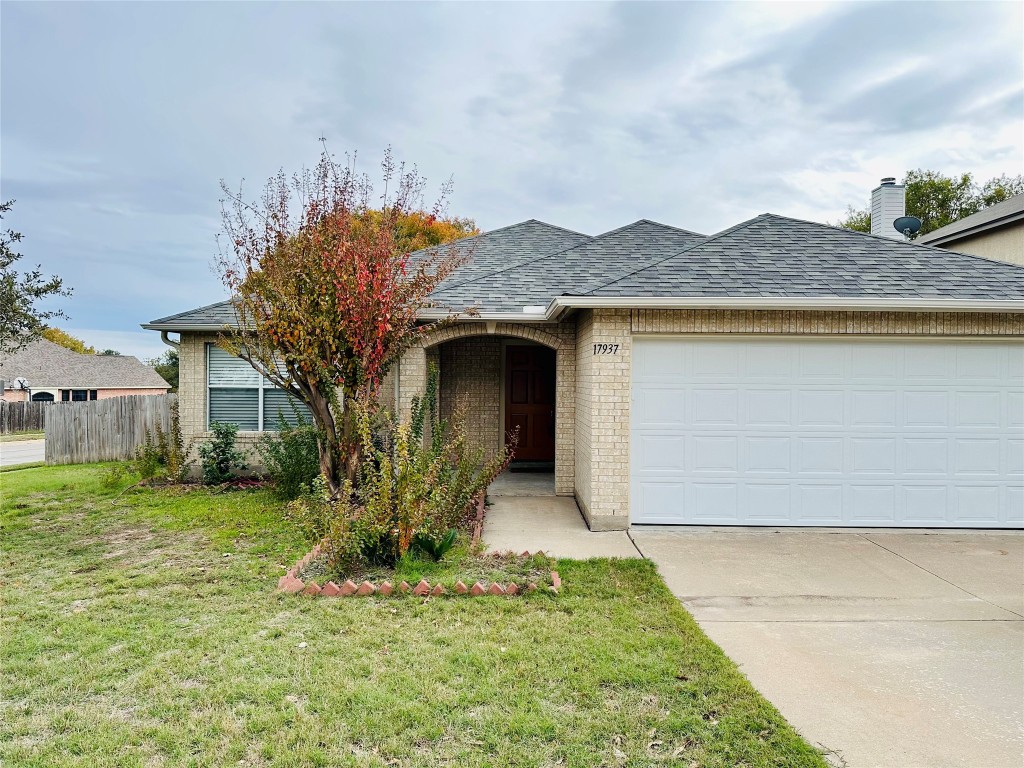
(561, 305)
(977, 229)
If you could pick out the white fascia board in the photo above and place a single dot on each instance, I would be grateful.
(178, 327)
(501, 317)
(562, 304)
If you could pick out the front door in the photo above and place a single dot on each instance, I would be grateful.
(530, 401)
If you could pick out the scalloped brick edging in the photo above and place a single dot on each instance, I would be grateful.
(290, 583)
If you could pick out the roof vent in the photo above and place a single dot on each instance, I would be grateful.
(888, 203)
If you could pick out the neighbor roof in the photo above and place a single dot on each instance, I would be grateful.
(993, 217)
(47, 366)
(774, 256)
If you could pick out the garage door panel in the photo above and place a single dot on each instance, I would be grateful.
(833, 432)
(820, 407)
(767, 408)
(714, 503)
(978, 409)
(767, 454)
(873, 408)
(659, 453)
(715, 406)
(925, 504)
(976, 503)
(715, 454)
(872, 456)
(925, 408)
(870, 504)
(926, 456)
(767, 503)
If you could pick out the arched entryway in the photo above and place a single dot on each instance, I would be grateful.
(501, 377)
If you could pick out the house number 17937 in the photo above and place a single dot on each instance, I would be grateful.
(606, 349)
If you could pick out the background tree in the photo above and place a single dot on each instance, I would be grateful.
(109, 353)
(21, 319)
(325, 296)
(167, 366)
(65, 339)
(938, 200)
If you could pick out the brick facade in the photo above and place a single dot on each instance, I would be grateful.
(593, 391)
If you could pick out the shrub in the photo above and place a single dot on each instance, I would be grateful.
(291, 457)
(164, 455)
(219, 456)
(412, 489)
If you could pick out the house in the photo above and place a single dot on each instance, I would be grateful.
(996, 232)
(777, 373)
(47, 372)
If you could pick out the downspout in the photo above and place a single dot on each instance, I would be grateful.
(168, 341)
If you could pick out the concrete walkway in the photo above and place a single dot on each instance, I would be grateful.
(21, 452)
(889, 648)
(525, 515)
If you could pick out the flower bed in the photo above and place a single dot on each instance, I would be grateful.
(466, 574)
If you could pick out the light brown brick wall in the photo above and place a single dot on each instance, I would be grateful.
(602, 402)
(838, 323)
(471, 381)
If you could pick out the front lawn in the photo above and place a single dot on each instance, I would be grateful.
(148, 633)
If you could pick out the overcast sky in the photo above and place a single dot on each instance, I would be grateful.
(119, 120)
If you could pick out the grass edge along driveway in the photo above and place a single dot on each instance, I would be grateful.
(148, 633)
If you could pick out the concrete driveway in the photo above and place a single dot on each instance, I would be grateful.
(21, 452)
(886, 648)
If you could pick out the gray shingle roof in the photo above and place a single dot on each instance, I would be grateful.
(531, 263)
(48, 365)
(997, 215)
(776, 256)
(576, 269)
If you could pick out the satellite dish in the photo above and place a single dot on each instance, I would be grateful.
(21, 382)
(907, 225)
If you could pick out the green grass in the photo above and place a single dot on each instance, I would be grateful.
(128, 638)
(10, 437)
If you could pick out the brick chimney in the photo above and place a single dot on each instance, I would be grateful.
(888, 203)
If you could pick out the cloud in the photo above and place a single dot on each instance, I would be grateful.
(121, 119)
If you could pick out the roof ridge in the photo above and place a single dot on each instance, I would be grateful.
(893, 241)
(590, 239)
(705, 241)
(670, 226)
(493, 231)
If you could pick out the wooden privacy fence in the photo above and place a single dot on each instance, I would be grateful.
(103, 430)
(24, 416)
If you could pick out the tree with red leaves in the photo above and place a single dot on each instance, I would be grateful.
(325, 296)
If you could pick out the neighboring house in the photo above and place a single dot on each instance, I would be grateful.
(55, 373)
(996, 232)
(777, 373)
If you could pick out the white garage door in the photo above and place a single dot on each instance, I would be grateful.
(827, 432)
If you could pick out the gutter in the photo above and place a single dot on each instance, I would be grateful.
(562, 305)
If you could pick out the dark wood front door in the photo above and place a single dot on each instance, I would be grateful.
(530, 401)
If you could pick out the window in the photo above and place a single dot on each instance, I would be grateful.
(78, 395)
(236, 394)
(92, 394)
(65, 395)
